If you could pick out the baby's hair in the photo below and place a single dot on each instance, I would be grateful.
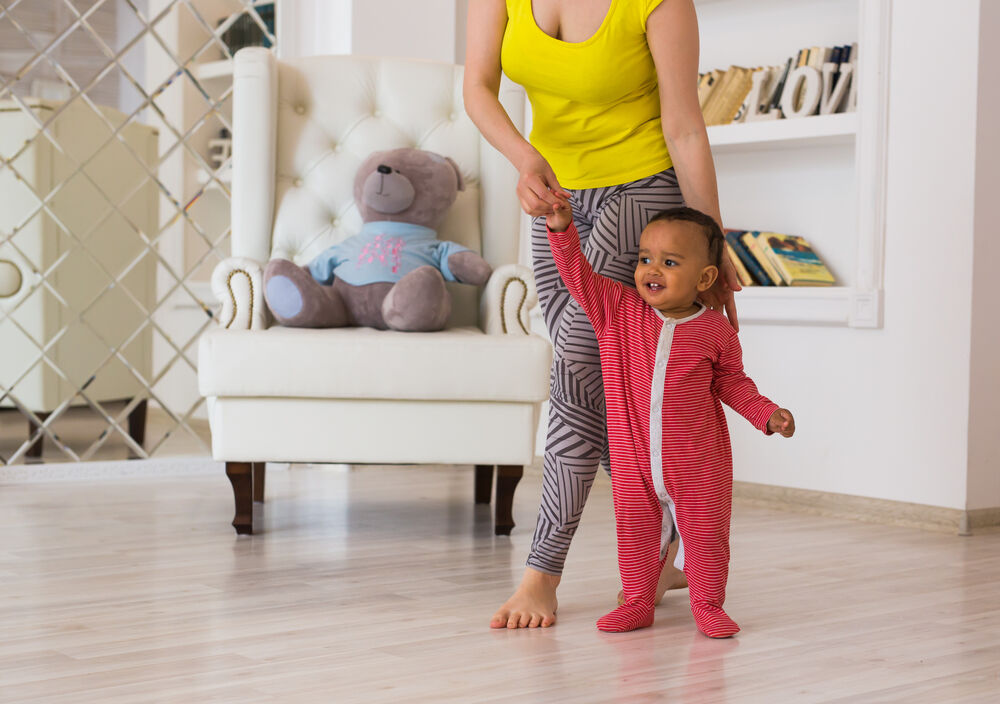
(710, 228)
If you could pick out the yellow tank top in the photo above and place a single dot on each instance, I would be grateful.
(595, 104)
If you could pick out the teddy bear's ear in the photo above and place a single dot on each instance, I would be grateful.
(458, 173)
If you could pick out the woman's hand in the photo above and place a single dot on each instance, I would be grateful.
(537, 188)
(720, 296)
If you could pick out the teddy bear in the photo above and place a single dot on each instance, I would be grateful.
(392, 274)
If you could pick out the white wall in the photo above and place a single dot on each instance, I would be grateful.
(984, 404)
(403, 28)
(428, 29)
(884, 413)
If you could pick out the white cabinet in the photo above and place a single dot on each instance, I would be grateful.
(77, 274)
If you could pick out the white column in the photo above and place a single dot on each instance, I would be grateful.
(312, 27)
(983, 485)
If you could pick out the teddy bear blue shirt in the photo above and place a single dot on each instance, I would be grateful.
(384, 251)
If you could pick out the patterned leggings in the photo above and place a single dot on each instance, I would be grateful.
(610, 221)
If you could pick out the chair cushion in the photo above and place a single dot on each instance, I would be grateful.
(458, 364)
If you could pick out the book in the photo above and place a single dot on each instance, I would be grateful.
(712, 95)
(756, 271)
(750, 241)
(745, 106)
(741, 271)
(705, 86)
(711, 108)
(737, 94)
(818, 56)
(794, 260)
(728, 96)
(780, 88)
(774, 74)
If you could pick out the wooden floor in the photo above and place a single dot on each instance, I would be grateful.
(375, 584)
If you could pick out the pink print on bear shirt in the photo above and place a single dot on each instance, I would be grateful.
(382, 248)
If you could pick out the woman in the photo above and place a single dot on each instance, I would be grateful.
(617, 128)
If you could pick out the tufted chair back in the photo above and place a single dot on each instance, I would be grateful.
(302, 127)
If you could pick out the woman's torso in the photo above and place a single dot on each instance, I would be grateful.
(595, 103)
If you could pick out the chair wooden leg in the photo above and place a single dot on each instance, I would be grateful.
(241, 477)
(507, 478)
(137, 423)
(259, 469)
(484, 483)
(35, 451)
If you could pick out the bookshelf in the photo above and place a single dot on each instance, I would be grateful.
(821, 177)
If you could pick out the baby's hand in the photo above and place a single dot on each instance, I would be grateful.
(562, 214)
(782, 422)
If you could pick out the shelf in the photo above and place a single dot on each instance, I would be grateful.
(815, 131)
(814, 305)
(782, 305)
(213, 69)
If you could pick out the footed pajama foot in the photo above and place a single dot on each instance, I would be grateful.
(713, 621)
(627, 617)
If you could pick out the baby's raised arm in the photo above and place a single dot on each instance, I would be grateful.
(596, 294)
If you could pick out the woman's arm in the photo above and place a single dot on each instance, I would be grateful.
(481, 86)
(672, 35)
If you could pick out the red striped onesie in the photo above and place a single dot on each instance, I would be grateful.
(664, 379)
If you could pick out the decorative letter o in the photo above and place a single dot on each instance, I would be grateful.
(811, 92)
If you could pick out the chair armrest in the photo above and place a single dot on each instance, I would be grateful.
(239, 283)
(509, 295)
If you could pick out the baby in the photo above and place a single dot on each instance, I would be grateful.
(667, 362)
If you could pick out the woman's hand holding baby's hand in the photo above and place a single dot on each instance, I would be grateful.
(537, 188)
(561, 217)
(782, 422)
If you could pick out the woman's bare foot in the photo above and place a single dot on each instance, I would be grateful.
(670, 577)
(532, 605)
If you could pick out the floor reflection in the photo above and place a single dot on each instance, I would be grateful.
(78, 428)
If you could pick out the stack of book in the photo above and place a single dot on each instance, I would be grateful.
(723, 94)
(774, 259)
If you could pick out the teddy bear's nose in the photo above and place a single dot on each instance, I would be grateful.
(383, 169)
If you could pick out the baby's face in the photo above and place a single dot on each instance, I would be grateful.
(673, 266)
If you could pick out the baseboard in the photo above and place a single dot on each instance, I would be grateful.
(982, 518)
(861, 508)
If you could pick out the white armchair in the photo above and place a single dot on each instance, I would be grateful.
(470, 394)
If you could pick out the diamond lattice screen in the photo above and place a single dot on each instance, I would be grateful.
(114, 208)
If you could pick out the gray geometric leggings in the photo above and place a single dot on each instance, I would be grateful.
(610, 221)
